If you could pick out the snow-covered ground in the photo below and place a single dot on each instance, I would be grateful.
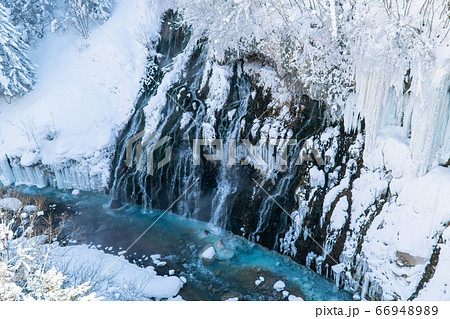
(85, 92)
(113, 277)
(34, 265)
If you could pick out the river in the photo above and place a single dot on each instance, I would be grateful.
(180, 242)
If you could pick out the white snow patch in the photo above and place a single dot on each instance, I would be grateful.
(10, 203)
(30, 158)
(295, 298)
(29, 208)
(279, 285)
(340, 214)
(121, 273)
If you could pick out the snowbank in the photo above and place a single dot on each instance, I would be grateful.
(12, 204)
(113, 277)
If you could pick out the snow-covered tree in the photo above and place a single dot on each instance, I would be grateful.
(30, 17)
(51, 286)
(16, 69)
(314, 45)
(85, 10)
(25, 243)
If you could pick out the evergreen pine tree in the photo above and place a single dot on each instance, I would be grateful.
(30, 17)
(16, 69)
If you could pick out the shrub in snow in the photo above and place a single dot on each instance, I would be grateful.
(83, 11)
(50, 285)
(30, 17)
(24, 258)
(16, 70)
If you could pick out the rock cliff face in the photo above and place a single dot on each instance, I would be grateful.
(286, 206)
(328, 204)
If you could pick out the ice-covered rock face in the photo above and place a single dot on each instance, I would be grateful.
(421, 114)
(200, 98)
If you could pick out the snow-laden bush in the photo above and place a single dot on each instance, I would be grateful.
(25, 234)
(301, 40)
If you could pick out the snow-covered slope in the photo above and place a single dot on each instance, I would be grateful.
(84, 94)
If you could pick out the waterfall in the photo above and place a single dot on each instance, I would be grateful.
(194, 97)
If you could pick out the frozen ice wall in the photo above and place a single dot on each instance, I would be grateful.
(417, 102)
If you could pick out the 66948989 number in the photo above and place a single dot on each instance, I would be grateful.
(407, 310)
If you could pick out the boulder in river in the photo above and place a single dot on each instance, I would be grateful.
(115, 204)
(279, 286)
(209, 254)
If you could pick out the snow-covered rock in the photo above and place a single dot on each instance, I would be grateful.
(9, 203)
(29, 159)
(29, 208)
(279, 285)
(294, 298)
(259, 280)
(209, 253)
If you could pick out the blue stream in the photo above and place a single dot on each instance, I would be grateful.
(180, 242)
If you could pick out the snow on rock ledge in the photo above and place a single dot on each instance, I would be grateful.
(405, 233)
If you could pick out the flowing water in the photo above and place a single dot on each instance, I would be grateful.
(180, 242)
(225, 196)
